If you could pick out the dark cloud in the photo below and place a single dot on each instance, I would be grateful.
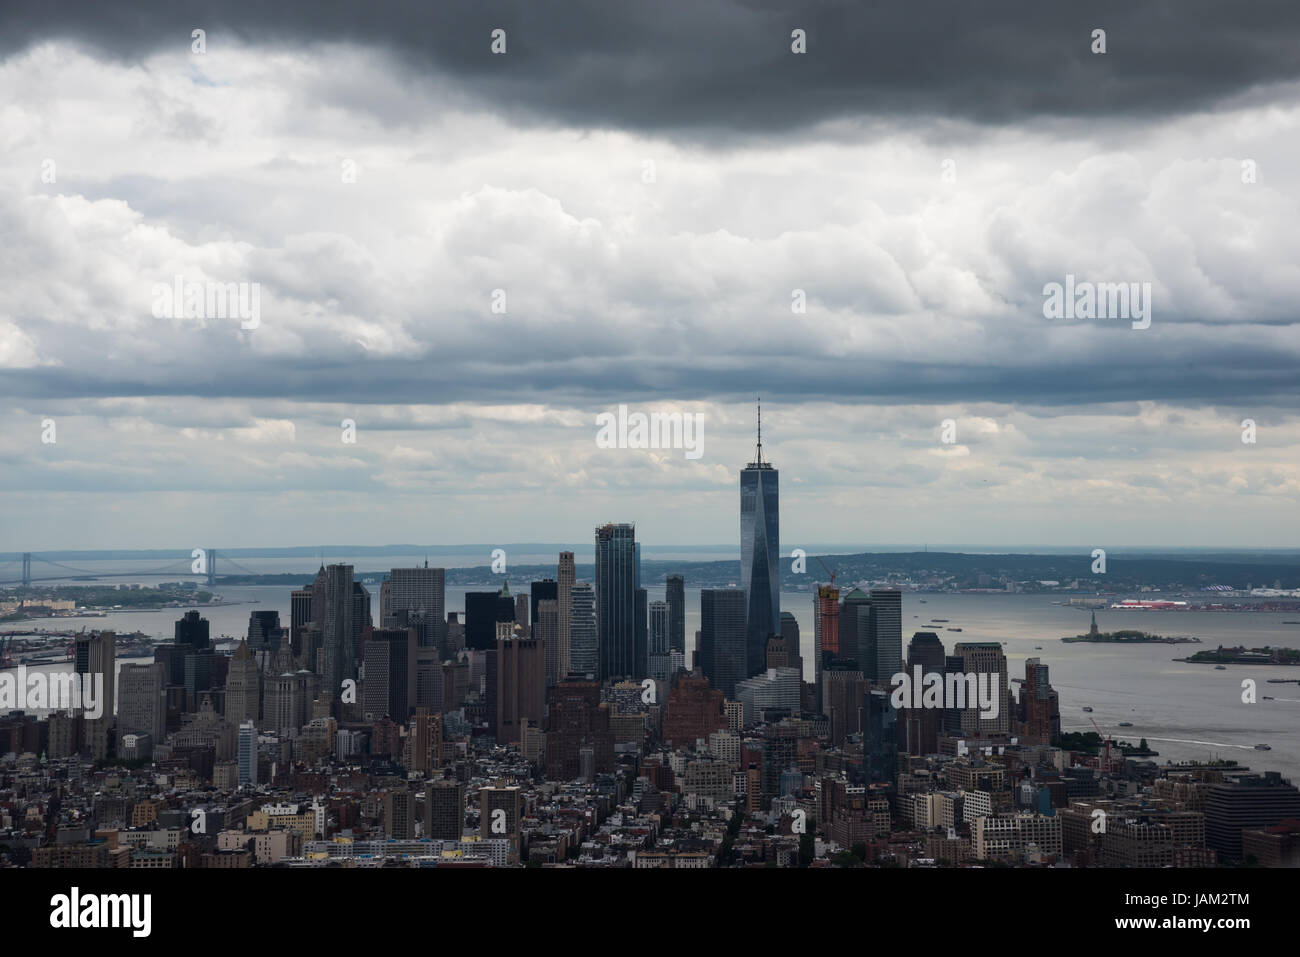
(719, 65)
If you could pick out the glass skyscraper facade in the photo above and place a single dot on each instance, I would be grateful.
(616, 577)
(760, 557)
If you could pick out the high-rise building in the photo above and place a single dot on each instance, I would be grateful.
(659, 615)
(790, 632)
(389, 685)
(444, 810)
(985, 658)
(247, 755)
(545, 630)
(583, 643)
(142, 700)
(760, 555)
(577, 722)
(264, 632)
(828, 635)
(676, 597)
(399, 814)
(922, 725)
(96, 654)
(565, 577)
(857, 641)
(300, 605)
(539, 592)
(879, 737)
(192, 631)
(338, 652)
(419, 591)
(243, 687)
(499, 815)
(615, 583)
(521, 686)
(1041, 705)
(723, 639)
(641, 653)
(484, 610)
(887, 632)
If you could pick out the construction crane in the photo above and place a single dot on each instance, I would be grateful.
(1105, 739)
(828, 571)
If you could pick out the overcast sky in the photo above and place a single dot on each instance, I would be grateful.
(648, 184)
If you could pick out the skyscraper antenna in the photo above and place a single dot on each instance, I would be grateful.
(759, 455)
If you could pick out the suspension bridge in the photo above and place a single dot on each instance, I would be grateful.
(200, 563)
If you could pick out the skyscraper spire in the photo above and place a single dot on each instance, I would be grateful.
(758, 455)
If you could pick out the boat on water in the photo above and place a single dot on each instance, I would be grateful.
(1220, 668)
(954, 629)
(1038, 647)
(1268, 697)
(1263, 747)
(1086, 708)
(939, 621)
(1126, 724)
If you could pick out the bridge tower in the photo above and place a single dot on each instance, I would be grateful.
(212, 566)
(27, 568)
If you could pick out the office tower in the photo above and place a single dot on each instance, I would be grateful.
(538, 592)
(521, 686)
(484, 610)
(264, 631)
(337, 649)
(856, 640)
(879, 737)
(565, 577)
(399, 814)
(389, 684)
(616, 600)
(287, 701)
(142, 700)
(247, 755)
(584, 656)
(828, 634)
(385, 600)
(641, 653)
(577, 721)
(360, 621)
(770, 696)
(299, 618)
(425, 737)
(420, 591)
(776, 653)
(723, 640)
(659, 617)
(1041, 704)
(887, 632)
(96, 654)
(192, 631)
(921, 726)
(760, 554)
(1246, 801)
(780, 754)
(243, 687)
(444, 810)
(842, 688)
(693, 711)
(545, 630)
(676, 597)
(985, 658)
(793, 651)
(499, 816)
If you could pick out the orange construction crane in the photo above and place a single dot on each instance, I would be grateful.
(828, 571)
